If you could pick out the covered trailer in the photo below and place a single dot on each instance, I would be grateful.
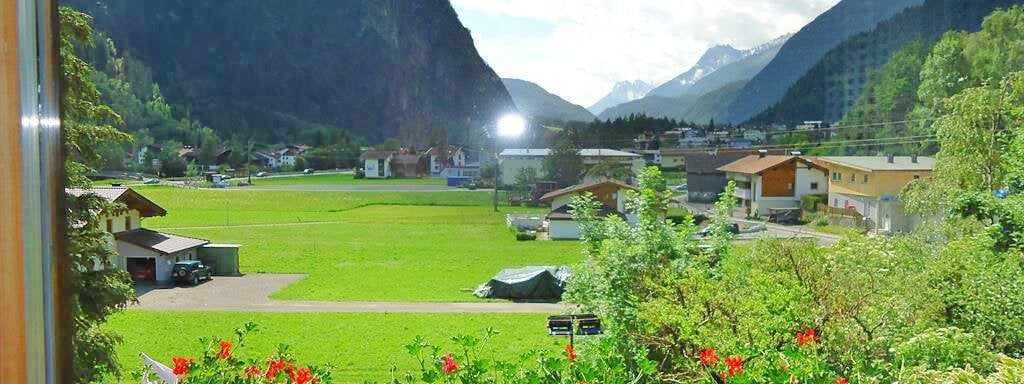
(528, 283)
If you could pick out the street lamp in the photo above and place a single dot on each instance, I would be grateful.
(509, 125)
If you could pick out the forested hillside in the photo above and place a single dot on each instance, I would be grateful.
(830, 89)
(905, 97)
(802, 51)
(269, 70)
(533, 100)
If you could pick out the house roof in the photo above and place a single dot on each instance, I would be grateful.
(376, 155)
(562, 213)
(584, 187)
(406, 159)
(164, 243)
(881, 163)
(452, 149)
(708, 162)
(124, 195)
(602, 152)
(754, 164)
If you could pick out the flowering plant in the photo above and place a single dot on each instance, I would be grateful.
(599, 363)
(220, 364)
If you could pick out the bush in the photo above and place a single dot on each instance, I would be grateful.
(525, 236)
(810, 203)
(359, 173)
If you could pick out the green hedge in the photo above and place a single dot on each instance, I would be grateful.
(810, 202)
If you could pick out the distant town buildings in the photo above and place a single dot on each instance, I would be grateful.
(512, 160)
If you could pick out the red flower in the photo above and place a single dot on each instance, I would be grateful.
(301, 376)
(181, 365)
(252, 371)
(225, 351)
(708, 357)
(808, 336)
(448, 364)
(841, 381)
(273, 367)
(570, 352)
(735, 364)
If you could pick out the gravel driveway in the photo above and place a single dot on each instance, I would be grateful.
(250, 293)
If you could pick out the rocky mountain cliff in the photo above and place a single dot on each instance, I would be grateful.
(622, 92)
(377, 69)
(534, 101)
(806, 48)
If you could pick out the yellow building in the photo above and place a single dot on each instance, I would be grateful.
(871, 185)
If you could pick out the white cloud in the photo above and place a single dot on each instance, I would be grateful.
(578, 49)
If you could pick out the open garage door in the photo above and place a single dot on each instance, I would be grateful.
(141, 268)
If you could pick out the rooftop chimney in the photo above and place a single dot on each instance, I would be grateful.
(913, 158)
(761, 153)
(890, 158)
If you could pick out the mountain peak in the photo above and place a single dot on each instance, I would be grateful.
(622, 92)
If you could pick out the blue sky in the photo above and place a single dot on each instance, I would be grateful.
(579, 49)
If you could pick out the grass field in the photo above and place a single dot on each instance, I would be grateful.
(361, 346)
(338, 178)
(370, 249)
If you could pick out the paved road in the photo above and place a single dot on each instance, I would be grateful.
(250, 293)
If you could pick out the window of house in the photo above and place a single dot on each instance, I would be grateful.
(853, 178)
(814, 185)
(110, 225)
(917, 177)
(865, 179)
(128, 223)
(835, 202)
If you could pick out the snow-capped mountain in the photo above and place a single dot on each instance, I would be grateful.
(713, 59)
(622, 92)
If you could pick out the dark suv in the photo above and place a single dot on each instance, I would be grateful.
(190, 271)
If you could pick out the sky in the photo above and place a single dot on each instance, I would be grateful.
(578, 49)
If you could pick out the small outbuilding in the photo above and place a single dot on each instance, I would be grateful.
(610, 193)
(528, 283)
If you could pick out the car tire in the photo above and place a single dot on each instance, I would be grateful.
(195, 280)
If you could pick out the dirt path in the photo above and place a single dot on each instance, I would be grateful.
(250, 293)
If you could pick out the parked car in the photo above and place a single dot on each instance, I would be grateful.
(190, 271)
(308, 171)
(151, 180)
(733, 228)
(681, 187)
(225, 177)
(261, 174)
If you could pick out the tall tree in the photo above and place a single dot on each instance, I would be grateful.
(100, 288)
(564, 164)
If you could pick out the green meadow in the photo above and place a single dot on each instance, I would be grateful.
(360, 346)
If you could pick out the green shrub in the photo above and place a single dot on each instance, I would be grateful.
(359, 173)
(525, 236)
(810, 203)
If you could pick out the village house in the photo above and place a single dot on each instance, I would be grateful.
(869, 187)
(673, 158)
(764, 182)
(377, 164)
(146, 254)
(512, 160)
(441, 159)
(693, 139)
(609, 192)
(703, 178)
(754, 135)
